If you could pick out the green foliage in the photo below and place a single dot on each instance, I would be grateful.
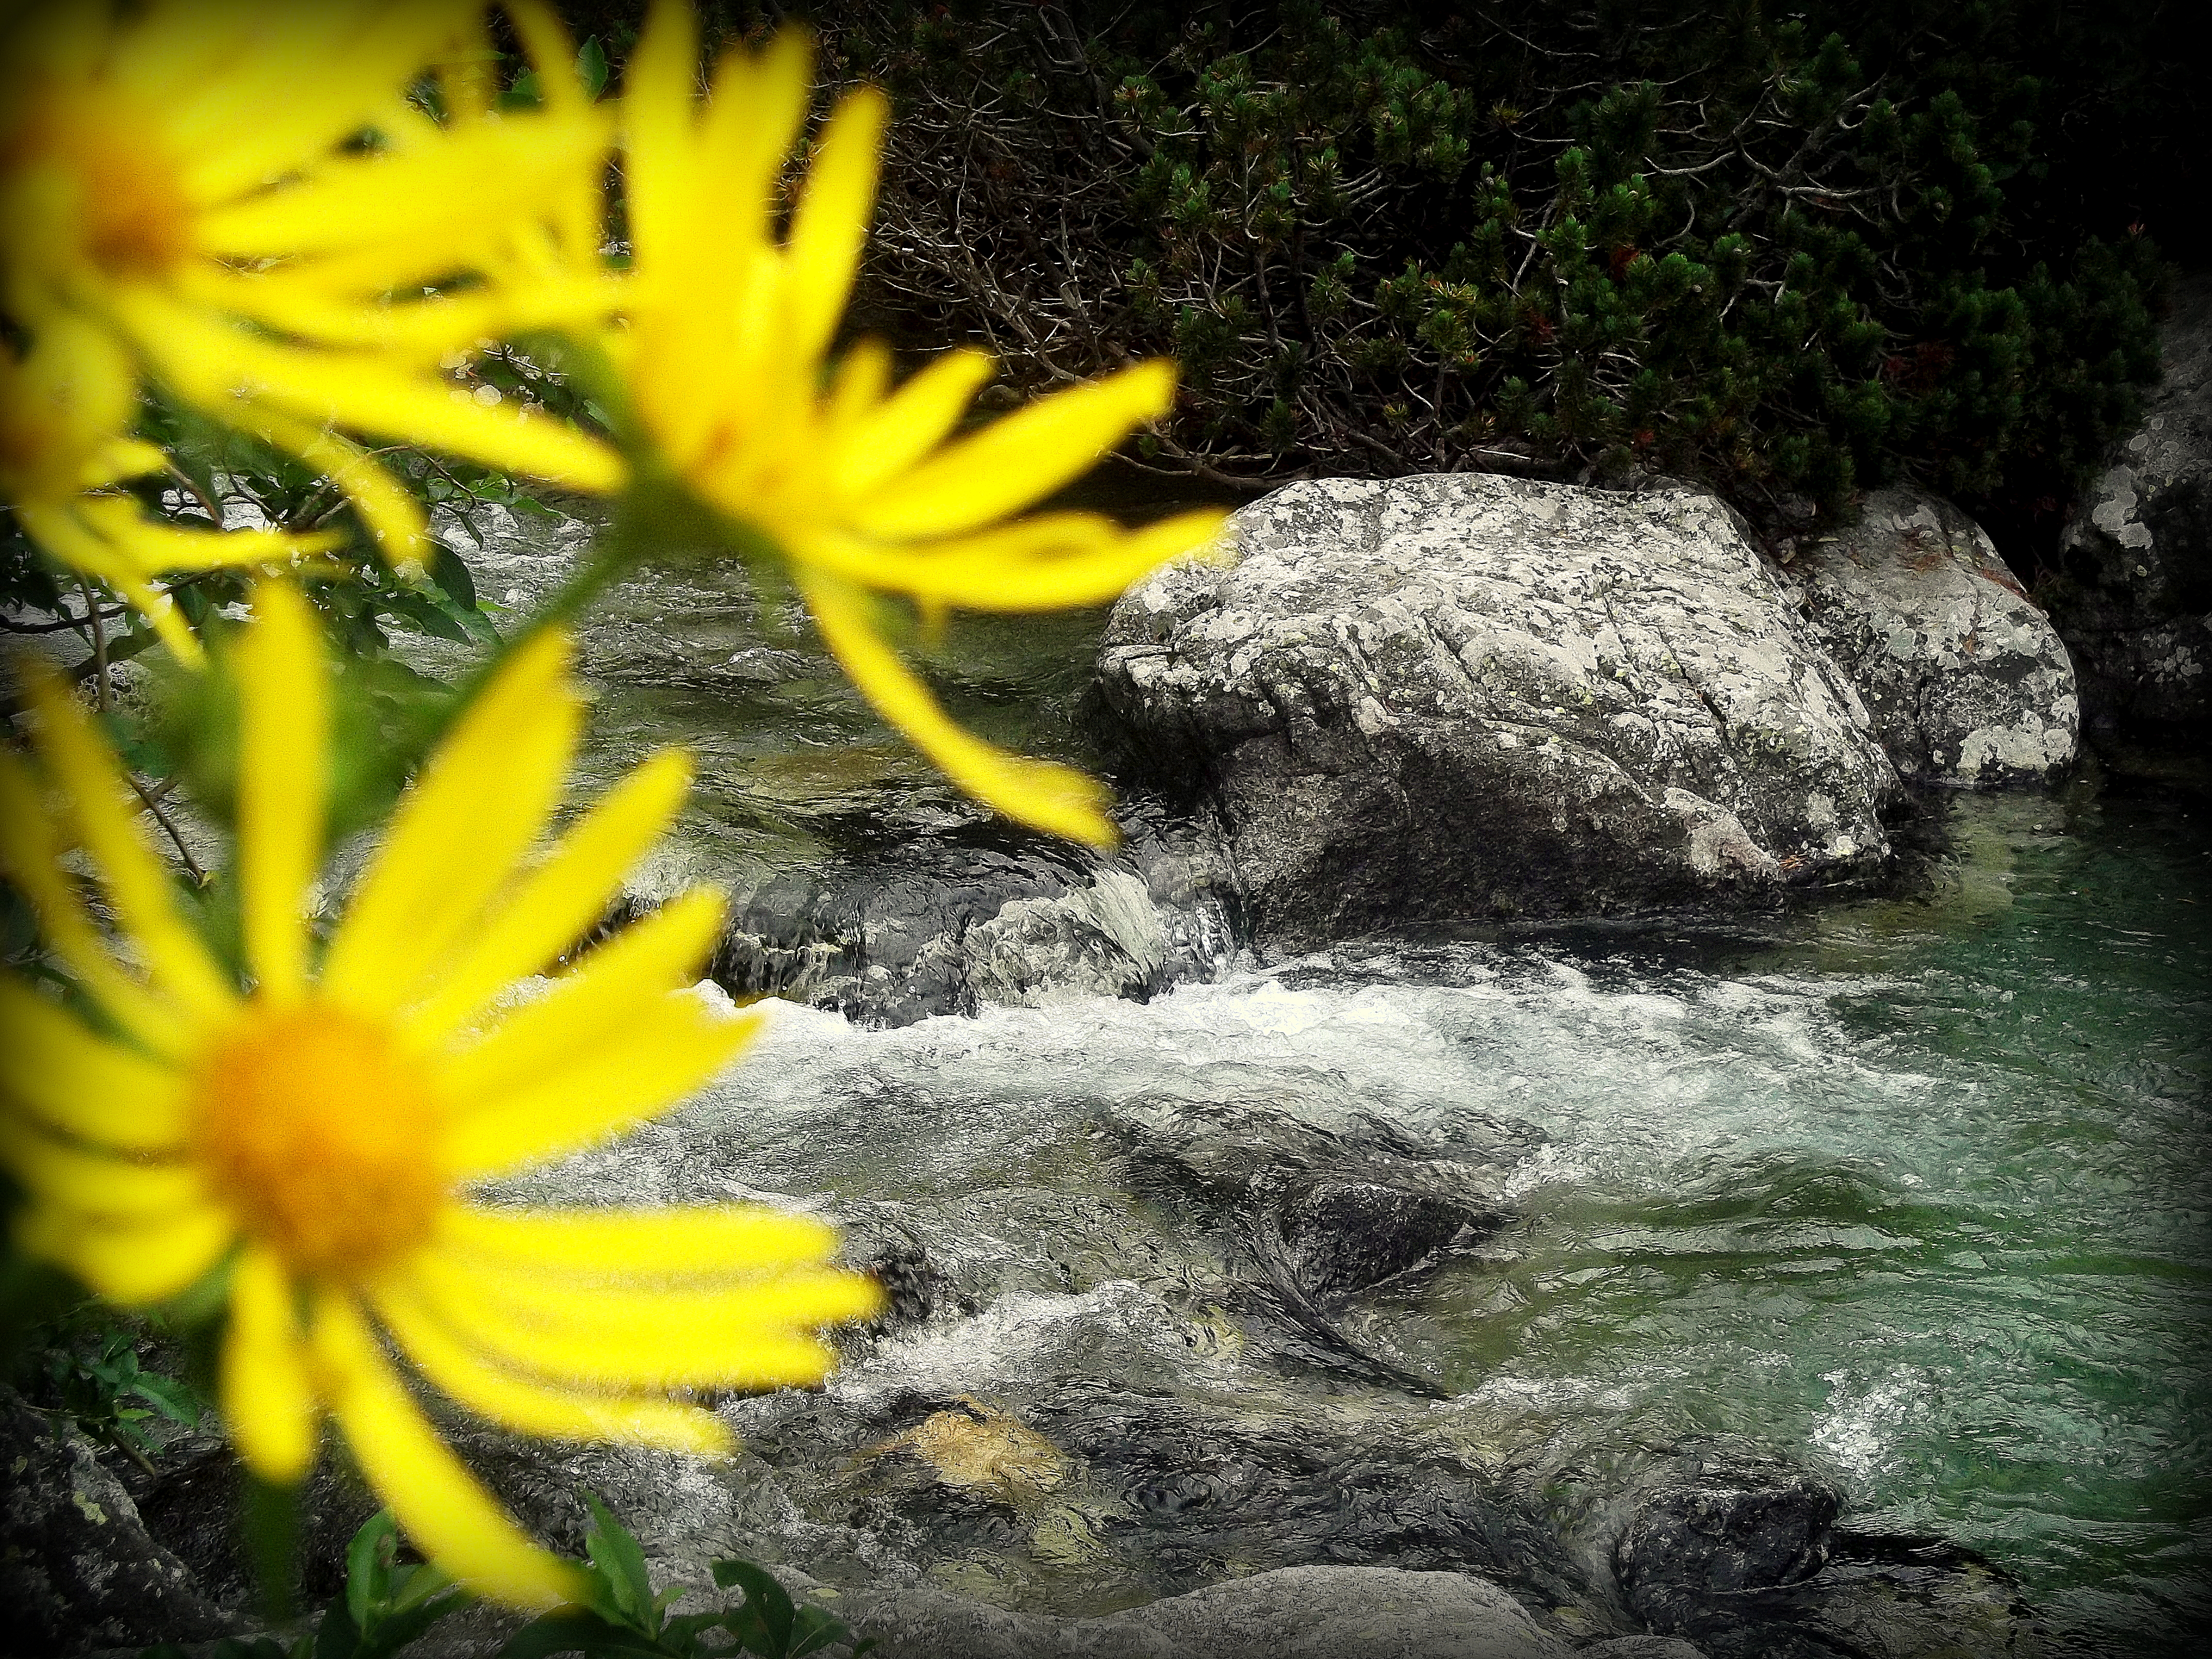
(385, 1605)
(388, 1605)
(1790, 254)
(90, 1366)
(625, 1617)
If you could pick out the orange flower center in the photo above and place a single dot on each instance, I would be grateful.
(322, 1134)
(97, 185)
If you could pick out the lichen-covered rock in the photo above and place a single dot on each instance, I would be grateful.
(1964, 677)
(77, 1570)
(2134, 596)
(1464, 697)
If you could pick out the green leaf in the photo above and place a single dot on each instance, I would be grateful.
(614, 1551)
(575, 1631)
(765, 1598)
(178, 1402)
(451, 573)
(399, 1630)
(591, 67)
(338, 1636)
(426, 615)
(368, 1567)
(814, 1629)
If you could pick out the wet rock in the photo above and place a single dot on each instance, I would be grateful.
(2133, 594)
(952, 924)
(1187, 1493)
(1293, 1613)
(1739, 1552)
(1918, 1598)
(1965, 679)
(1709, 1541)
(78, 1570)
(1329, 1207)
(1452, 698)
(973, 1453)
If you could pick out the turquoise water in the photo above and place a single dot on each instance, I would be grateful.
(1920, 1187)
(1914, 1192)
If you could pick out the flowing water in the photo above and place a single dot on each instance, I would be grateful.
(1914, 1192)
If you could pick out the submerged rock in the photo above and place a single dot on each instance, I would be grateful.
(1965, 680)
(1325, 1209)
(1739, 1552)
(1467, 698)
(1716, 1536)
(2133, 596)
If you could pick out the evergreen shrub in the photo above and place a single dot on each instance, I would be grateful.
(1791, 254)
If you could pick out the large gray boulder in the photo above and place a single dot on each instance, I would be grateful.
(2134, 598)
(1456, 698)
(1967, 682)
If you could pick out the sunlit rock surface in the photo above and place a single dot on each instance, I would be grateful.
(1475, 698)
(2134, 600)
(1965, 679)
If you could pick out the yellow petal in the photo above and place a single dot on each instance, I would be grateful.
(831, 224)
(406, 216)
(443, 1511)
(97, 1184)
(131, 1263)
(664, 1052)
(134, 546)
(1026, 566)
(178, 964)
(268, 1401)
(535, 1407)
(387, 507)
(32, 860)
(621, 978)
(1049, 797)
(1015, 461)
(690, 1241)
(743, 1337)
(282, 778)
(89, 1090)
(454, 840)
(657, 117)
(916, 419)
(121, 457)
(216, 366)
(552, 54)
(553, 905)
(64, 403)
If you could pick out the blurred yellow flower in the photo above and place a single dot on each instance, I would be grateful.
(314, 1138)
(240, 195)
(861, 488)
(62, 406)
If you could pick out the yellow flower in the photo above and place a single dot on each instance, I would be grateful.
(240, 194)
(62, 405)
(315, 1137)
(861, 488)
